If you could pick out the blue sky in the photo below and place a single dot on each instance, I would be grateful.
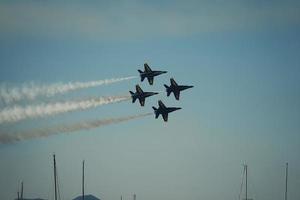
(242, 57)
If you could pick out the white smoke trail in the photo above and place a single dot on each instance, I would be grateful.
(45, 132)
(32, 90)
(17, 113)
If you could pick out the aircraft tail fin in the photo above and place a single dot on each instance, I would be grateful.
(168, 90)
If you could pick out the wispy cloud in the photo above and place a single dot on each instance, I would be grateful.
(141, 19)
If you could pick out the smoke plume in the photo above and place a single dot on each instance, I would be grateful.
(31, 91)
(45, 132)
(17, 113)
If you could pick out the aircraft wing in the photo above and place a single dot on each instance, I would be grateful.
(176, 94)
(165, 117)
(138, 89)
(160, 103)
(147, 68)
(150, 80)
(173, 82)
(142, 101)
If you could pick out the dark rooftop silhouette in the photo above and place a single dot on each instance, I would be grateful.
(86, 197)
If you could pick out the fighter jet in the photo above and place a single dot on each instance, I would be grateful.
(163, 110)
(175, 88)
(141, 95)
(149, 74)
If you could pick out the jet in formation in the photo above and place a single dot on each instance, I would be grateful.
(163, 110)
(141, 95)
(175, 88)
(149, 74)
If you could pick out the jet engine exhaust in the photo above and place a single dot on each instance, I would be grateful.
(30, 91)
(45, 132)
(17, 113)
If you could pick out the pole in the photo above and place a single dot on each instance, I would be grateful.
(286, 180)
(83, 180)
(55, 182)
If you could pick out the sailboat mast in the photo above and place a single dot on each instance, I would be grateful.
(83, 180)
(22, 190)
(246, 170)
(286, 180)
(55, 182)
